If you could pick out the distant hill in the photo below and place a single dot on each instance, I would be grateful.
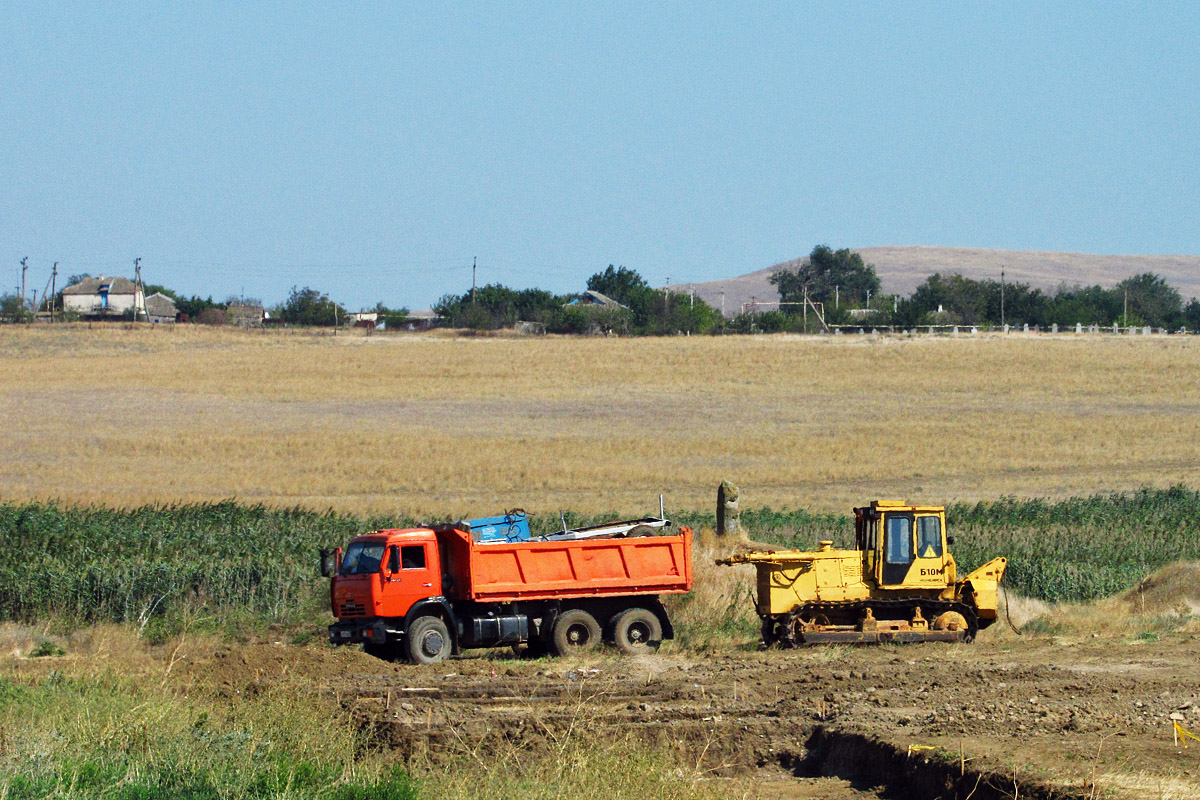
(902, 269)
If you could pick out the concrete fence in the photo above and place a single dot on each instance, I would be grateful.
(971, 330)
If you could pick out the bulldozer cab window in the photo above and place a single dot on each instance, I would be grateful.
(929, 537)
(899, 540)
(897, 548)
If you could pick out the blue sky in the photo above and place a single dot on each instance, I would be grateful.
(372, 150)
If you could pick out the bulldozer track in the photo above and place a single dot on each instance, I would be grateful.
(786, 631)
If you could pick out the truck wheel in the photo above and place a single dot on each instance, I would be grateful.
(575, 631)
(428, 641)
(641, 530)
(637, 632)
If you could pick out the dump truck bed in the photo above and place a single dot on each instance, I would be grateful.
(506, 572)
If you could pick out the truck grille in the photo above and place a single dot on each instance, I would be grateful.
(352, 609)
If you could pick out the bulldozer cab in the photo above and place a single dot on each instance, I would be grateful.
(904, 546)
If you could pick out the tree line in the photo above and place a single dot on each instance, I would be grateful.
(833, 288)
(639, 310)
(847, 292)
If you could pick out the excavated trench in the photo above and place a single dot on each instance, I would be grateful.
(753, 746)
(894, 773)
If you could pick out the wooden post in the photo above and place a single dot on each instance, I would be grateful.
(727, 509)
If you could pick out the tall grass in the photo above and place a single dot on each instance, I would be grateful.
(1081, 548)
(98, 564)
(229, 562)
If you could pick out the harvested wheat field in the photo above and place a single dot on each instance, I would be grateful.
(428, 424)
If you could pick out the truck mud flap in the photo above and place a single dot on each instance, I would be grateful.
(880, 637)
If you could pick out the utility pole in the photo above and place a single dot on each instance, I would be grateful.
(138, 287)
(24, 269)
(837, 296)
(1001, 298)
(667, 297)
(722, 303)
(53, 289)
(474, 260)
(1126, 312)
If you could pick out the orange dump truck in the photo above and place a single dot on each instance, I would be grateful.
(424, 593)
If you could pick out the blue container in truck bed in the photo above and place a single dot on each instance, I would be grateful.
(513, 526)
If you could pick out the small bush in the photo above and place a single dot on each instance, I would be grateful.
(47, 648)
(1042, 626)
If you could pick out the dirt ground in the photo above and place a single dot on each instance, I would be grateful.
(1086, 718)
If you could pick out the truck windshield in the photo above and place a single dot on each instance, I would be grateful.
(362, 558)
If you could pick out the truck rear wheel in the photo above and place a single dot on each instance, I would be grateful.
(575, 631)
(637, 631)
(427, 641)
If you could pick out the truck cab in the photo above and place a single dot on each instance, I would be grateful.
(386, 573)
(385, 577)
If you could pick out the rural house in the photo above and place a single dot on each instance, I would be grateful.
(421, 320)
(160, 308)
(103, 297)
(246, 316)
(590, 298)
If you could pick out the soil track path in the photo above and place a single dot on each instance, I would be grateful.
(1093, 715)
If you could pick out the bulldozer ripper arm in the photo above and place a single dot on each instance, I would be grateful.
(768, 557)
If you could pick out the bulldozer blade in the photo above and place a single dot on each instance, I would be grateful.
(880, 637)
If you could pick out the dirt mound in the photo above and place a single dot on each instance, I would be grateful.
(232, 670)
(1174, 588)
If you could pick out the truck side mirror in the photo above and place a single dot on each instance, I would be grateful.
(393, 559)
(330, 560)
(950, 540)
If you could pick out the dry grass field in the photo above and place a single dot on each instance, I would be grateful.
(440, 425)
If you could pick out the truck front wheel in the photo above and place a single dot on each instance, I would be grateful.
(575, 631)
(637, 631)
(427, 641)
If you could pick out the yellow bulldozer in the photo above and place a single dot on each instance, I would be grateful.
(899, 584)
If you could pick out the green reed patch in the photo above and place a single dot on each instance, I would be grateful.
(169, 567)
